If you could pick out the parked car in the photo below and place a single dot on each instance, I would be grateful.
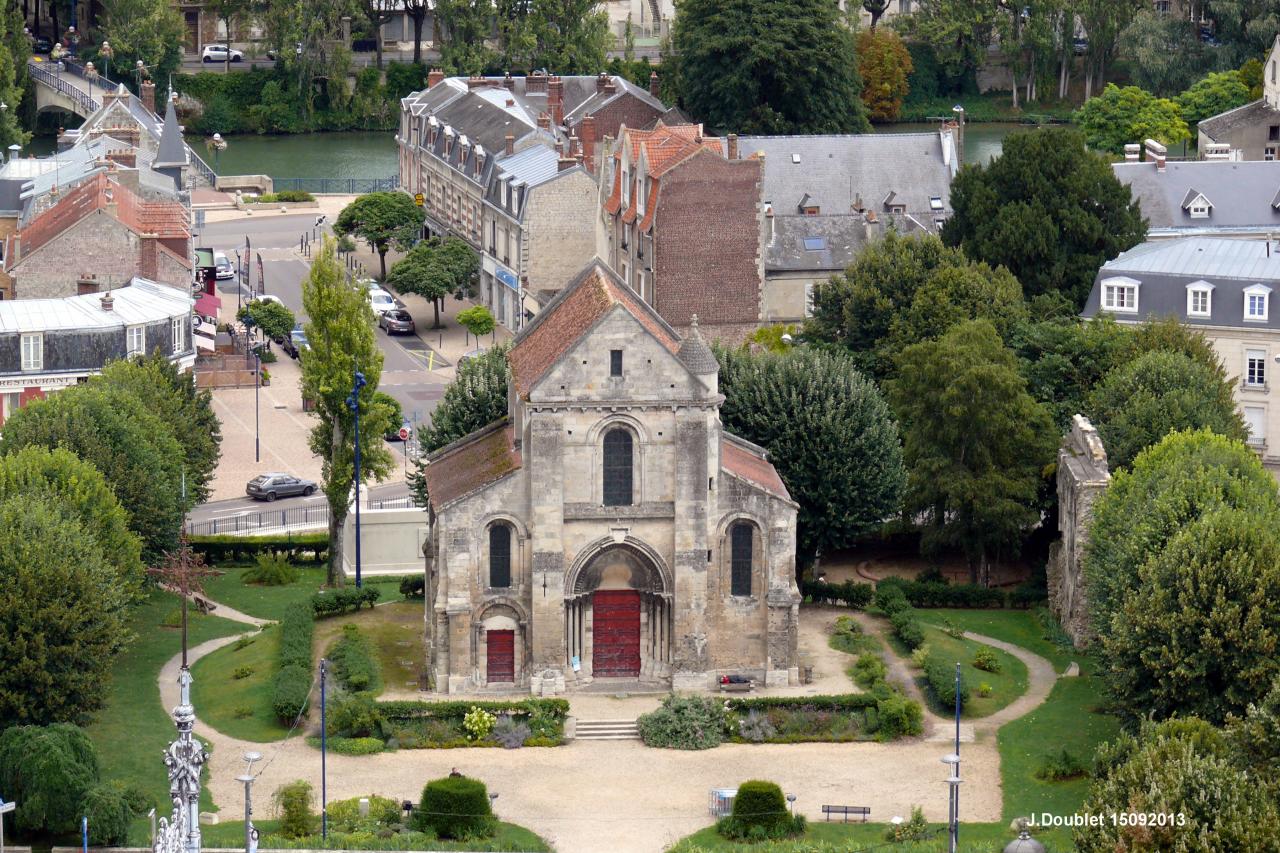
(223, 267)
(396, 321)
(268, 487)
(475, 353)
(218, 53)
(287, 344)
(382, 301)
(1080, 46)
(299, 340)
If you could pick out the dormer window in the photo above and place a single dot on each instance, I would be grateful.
(1256, 299)
(1196, 205)
(809, 205)
(1120, 295)
(935, 202)
(626, 186)
(1199, 299)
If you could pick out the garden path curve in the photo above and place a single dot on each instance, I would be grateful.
(1041, 677)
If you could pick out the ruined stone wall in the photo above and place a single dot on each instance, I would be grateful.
(1083, 475)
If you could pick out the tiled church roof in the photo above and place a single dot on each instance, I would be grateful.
(749, 462)
(470, 463)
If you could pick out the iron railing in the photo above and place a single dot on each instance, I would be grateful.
(403, 502)
(266, 521)
(54, 81)
(337, 186)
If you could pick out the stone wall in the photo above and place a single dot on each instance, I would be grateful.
(560, 225)
(1082, 476)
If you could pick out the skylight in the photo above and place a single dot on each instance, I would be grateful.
(815, 244)
(935, 202)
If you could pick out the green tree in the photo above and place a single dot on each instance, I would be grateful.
(1215, 93)
(570, 35)
(69, 482)
(273, 318)
(767, 66)
(1181, 768)
(828, 432)
(134, 450)
(150, 31)
(477, 320)
(14, 52)
(976, 443)
(1198, 634)
(1165, 52)
(1251, 76)
(1141, 402)
(1246, 28)
(1063, 359)
(383, 220)
(466, 25)
(1170, 486)
(340, 330)
(46, 770)
(875, 8)
(424, 273)
(900, 290)
(62, 614)
(885, 65)
(1104, 21)
(1255, 735)
(958, 31)
(1048, 209)
(171, 395)
(1119, 116)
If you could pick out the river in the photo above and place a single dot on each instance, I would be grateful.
(306, 155)
(982, 142)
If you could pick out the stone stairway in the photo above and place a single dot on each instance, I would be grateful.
(606, 730)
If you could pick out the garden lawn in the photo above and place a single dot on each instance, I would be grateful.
(974, 838)
(396, 633)
(133, 729)
(1006, 685)
(264, 602)
(240, 707)
(1033, 630)
(508, 837)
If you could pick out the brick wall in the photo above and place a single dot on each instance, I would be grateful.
(96, 244)
(8, 227)
(628, 110)
(706, 254)
(561, 228)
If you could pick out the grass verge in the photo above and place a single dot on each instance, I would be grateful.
(824, 837)
(1006, 685)
(1025, 628)
(264, 602)
(395, 630)
(240, 707)
(509, 836)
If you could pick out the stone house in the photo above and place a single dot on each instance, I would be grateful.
(1221, 288)
(1251, 132)
(608, 528)
(682, 223)
(50, 344)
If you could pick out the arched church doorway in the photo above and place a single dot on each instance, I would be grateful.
(618, 615)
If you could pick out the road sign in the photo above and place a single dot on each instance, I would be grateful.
(404, 432)
(418, 199)
(5, 808)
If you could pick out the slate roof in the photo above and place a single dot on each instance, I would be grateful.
(573, 311)
(1164, 268)
(694, 352)
(1243, 195)
(172, 150)
(745, 460)
(842, 237)
(470, 463)
(142, 301)
(840, 172)
(1252, 113)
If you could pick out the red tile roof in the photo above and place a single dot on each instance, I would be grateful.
(568, 317)
(160, 218)
(471, 463)
(743, 460)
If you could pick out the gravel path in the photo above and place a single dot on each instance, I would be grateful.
(1041, 677)
(621, 796)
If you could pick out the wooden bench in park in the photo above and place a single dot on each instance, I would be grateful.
(856, 811)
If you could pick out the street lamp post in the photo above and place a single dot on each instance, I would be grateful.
(353, 402)
(257, 383)
(90, 74)
(218, 144)
(324, 798)
(247, 779)
(106, 55)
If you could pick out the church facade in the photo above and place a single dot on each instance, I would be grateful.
(609, 527)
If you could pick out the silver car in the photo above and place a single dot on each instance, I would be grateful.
(268, 487)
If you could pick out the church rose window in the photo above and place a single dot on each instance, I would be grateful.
(499, 556)
(740, 559)
(617, 468)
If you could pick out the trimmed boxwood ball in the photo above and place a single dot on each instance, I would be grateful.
(760, 804)
(455, 807)
(107, 809)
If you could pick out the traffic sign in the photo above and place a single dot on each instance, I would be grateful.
(404, 432)
(418, 199)
(5, 808)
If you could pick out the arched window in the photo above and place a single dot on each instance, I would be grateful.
(740, 544)
(499, 556)
(617, 468)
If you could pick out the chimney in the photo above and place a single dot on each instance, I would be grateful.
(565, 162)
(653, 83)
(544, 121)
(88, 283)
(106, 301)
(587, 132)
(575, 150)
(148, 257)
(147, 95)
(508, 83)
(1157, 152)
(733, 146)
(434, 76)
(768, 221)
(535, 83)
(602, 80)
(610, 87)
(1132, 152)
(474, 82)
(511, 144)
(555, 100)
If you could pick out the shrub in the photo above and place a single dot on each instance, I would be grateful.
(683, 722)
(242, 712)
(455, 807)
(478, 723)
(984, 690)
(344, 815)
(109, 813)
(355, 745)
(243, 643)
(172, 619)
(139, 802)
(915, 829)
(354, 663)
(510, 733)
(952, 629)
(242, 672)
(290, 694)
(920, 656)
(756, 727)
(332, 602)
(941, 676)
(413, 587)
(294, 195)
(293, 803)
(985, 659)
(850, 594)
(907, 629)
(890, 599)
(1063, 765)
(353, 715)
(47, 770)
(759, 812)
(897, 716)
(291, 686)
(869, 670)
(272, 569)
(221, 547)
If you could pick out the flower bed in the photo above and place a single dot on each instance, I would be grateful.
(444, 725)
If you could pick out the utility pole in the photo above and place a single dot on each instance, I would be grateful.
(324, 748)
(353, 402)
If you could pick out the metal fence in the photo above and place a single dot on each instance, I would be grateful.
(54, 81)
(405, 502)
(337, 186)
(266, 521)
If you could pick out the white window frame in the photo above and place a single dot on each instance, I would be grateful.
(32, 344)
(1257, 290)
(1199, 211)
(178, 328)
(1258, 439)
(1199, 288)
(140, 332)
(1111, 286)
(1251, 356)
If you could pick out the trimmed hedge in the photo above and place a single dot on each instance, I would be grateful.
(354, 665)
(291, 686)
(941, 677)
(239, 548)
(850, 594)
(455, 807)
(332, 602)
(413, 587)
(349, 745)
(907, 629)
(887, 714)
(840, 702)
(412, 709)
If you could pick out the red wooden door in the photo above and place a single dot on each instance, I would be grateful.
(615, 633)
(502, 655)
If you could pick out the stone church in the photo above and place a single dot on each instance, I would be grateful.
(608, 528)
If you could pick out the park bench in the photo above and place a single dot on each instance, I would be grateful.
(736, 684)
(857, 811)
